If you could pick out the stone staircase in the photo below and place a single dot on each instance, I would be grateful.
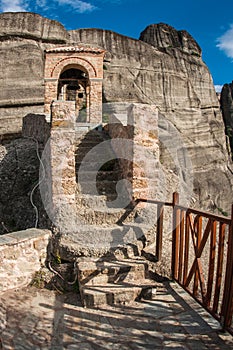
(108, 245)
(113, 282)
(98, 173)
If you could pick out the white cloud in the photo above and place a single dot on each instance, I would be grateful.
(13, 5)
(42, 4)
(218, 88)
(225, 42)
(78, 5)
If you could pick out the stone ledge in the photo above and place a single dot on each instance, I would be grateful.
(22, 253)
(22, 236)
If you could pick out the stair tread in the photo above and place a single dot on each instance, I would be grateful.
(119, 286)
(104, 210)
(106, 228)
(97, 263)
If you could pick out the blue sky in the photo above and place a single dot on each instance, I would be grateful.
(210, 22)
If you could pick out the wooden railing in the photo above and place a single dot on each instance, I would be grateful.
(202, 256)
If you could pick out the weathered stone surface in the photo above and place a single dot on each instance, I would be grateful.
(136, 145)
(43, 319)
(163, 36)
(112, 282)
(21, 255)
(19, 174)
(36, 127)
(31, 25)
(24, 36)
(226, 101)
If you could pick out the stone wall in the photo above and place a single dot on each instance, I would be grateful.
(136, 145)
(58, 189)
(21, 255)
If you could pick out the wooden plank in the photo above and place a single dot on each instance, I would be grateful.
(201, 280)
(198, 233)
(191, 273)
(204, 214)
(219, 272)
(204, 238)
(159, 235)
(197, 251)
(211, 264)
(181, 246)
(186, 248)
(227, 309)
(175, 235)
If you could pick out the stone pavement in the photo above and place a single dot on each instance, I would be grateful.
(41, 319)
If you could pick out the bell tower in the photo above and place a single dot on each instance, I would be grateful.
(75, 73)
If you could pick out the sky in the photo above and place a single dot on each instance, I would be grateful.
(210, 22)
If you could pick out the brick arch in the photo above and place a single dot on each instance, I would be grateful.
(73, 61)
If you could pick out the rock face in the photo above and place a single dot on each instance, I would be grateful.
(164, 36)
(173, 76)
(226, 101)
(164, 68)
(23, 38)
(19, 168)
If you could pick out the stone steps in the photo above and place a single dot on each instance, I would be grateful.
(103, 187)
(96, 272)
(89, 201)
(101, 152)
(98, 296)
(110, 236)
(102, 241)
(111, 175)
(97, 182)
(107, 216)
(113, 282)
(90, 139)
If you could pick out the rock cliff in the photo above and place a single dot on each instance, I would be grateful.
(168, 71)
(164, 68)
(23, 38)
(226, 101)
(164, 36)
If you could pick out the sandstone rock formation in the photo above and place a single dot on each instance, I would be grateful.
(164, 68)
(174, 77)
(164, 36)
(23, 38)
(226, 101)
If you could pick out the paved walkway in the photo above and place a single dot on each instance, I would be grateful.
(41, 319)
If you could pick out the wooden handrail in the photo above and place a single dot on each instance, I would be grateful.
(152, 201)
(210, 284)
(224, 219)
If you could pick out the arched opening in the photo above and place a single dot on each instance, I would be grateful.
(73, 85)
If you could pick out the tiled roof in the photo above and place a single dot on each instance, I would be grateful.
(75, 49)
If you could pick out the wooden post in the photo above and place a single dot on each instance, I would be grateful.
(186, 248)
(181, 245)
(159, 233)
(227, 305)
(175, 236)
